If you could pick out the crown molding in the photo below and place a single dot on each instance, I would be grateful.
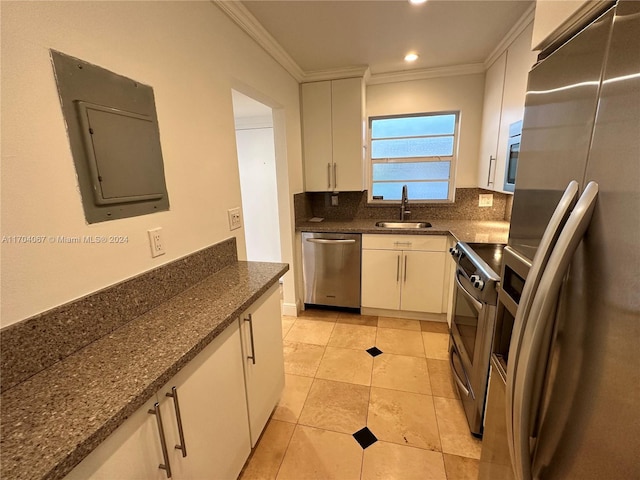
(427, 73)
(239, 14)
(359, 71)
(247, 22)
(517, 29)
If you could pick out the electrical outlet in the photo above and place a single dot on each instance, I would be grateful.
(235, 218)
(156, 241)
(485, 200)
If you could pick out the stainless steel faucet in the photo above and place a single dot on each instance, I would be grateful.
(404, 204)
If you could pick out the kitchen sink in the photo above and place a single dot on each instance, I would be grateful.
(403, 225)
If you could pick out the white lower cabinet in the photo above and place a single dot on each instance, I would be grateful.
(263, 359)
(131, 452)
(403, 272)
(211, 395)
(224, 402)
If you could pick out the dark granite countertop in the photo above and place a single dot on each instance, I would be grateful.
(480, 231)
(53, 420)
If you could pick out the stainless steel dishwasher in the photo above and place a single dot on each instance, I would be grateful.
(331, 269)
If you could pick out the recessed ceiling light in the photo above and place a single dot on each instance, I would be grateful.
(411, 57)
(417, 2)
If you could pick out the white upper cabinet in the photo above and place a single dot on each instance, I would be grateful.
(491, 114)
(333, 135)
(520, 59)
(504, 98)
(555, 20)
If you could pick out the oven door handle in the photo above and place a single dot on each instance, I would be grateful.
(465, 389)
(474, 302)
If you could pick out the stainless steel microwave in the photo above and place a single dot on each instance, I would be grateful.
(513, 150)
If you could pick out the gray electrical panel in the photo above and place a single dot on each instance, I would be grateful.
(115, 141)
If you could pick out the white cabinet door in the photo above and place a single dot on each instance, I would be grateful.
(263, 359)
(423, 281)
(555, 20)
(520, 59)
(504, 96)
(347, 116)
(404, 272)
(131, 452)
(333, 135)
(213, 411)
(381, 278)
(316, 136)
(491, 116)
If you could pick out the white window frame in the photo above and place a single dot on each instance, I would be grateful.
(453, 158)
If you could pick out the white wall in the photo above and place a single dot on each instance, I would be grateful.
(463, 93)
(192, 55)
(257, 161)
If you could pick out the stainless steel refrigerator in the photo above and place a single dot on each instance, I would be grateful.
(569, 404)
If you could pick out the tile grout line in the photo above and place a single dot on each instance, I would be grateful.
(297, 423)
(366, 421)
(294, 425)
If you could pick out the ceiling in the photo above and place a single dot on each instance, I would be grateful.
(321, 36)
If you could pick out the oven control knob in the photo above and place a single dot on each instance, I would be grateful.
(455, 252)
(477, 282)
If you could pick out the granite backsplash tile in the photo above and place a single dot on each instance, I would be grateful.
(30, 346)
(302, 206)
(508, 208)
(353, 205)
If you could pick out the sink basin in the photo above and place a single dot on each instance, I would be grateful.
(403, 225)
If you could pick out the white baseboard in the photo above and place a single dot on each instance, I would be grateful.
(380, 312)
(290, 309)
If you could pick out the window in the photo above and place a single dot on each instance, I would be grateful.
(413, 150)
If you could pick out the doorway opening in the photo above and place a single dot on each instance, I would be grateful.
(258, 179)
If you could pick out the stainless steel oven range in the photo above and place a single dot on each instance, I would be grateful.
(472, 324)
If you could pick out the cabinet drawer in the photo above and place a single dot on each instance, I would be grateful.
(434, 243)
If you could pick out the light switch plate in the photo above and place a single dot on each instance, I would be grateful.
(235, 218)
(485, 200)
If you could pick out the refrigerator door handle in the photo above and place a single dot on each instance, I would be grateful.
(526, 394)
(538, 265)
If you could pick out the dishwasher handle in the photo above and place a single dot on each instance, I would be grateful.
(329, 241)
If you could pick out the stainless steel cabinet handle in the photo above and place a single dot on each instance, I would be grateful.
(166, 466)
(491, 160)
(176, 405)
(329, 240)
(335, 175)
(253, 348)
(461, 384)
(398, 270)
(405, 268)
(406, 244)
(328, 175)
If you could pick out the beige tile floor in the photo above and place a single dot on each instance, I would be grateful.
(333, 388)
